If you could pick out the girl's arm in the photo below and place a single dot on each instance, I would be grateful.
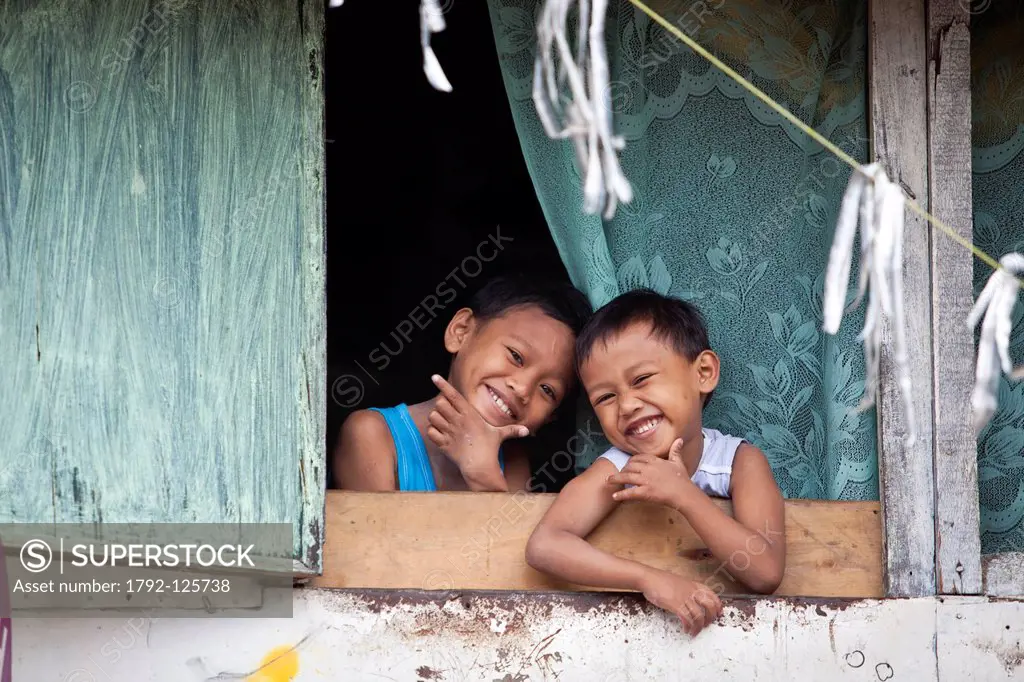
(364, 458)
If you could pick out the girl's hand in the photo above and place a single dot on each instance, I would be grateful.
(462, 434)
(664, 481)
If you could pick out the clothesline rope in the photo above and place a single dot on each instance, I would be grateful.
(818, 137)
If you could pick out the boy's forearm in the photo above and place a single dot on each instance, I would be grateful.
(575, 560)
(746, 554)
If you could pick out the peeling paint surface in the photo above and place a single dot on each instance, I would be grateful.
(417, 636)
(979, 639)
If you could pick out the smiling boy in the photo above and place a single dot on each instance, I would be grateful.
(648, 370)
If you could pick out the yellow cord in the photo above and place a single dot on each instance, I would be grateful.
(821, 139)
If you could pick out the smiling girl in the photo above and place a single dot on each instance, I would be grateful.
(512, 365)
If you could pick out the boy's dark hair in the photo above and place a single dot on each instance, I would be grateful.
(673, 321)
(558, 299)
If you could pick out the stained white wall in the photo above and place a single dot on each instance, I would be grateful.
(340, 636)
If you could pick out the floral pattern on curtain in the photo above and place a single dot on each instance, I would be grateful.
(734, 210)
(997, 65)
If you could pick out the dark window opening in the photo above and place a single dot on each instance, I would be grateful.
(416, 180)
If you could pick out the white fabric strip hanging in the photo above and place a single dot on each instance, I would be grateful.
(432, 21)
(588, 114)
(880, 204)
(996, 303)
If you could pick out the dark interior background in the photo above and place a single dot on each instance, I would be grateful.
(416, 179)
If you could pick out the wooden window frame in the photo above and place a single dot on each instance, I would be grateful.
(957, 511)
(999, 574)
(920, 128)
(936, 43)
(898, 131)
(920, 113)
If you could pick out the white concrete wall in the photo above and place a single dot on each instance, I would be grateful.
(341, 636)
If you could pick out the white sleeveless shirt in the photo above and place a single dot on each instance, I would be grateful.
(714, 472)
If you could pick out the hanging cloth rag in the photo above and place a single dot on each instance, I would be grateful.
(588, 114)
(996, 303)
(880, 204)
(432, 21)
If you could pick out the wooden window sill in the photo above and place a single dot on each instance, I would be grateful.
(477, 541)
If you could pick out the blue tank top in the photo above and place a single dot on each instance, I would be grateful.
(414, 472)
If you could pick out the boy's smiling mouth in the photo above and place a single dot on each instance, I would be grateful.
(501, 403)
(643, 427)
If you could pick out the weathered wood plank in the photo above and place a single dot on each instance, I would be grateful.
(163, 300)
(898, 124)
(957, 513)
(1004, 574)
(478, 542)
(312, 262)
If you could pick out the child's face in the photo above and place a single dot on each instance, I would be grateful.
(514, 369)
(646, 394)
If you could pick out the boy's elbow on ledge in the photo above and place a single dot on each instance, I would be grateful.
(536, 549)
(766, 582)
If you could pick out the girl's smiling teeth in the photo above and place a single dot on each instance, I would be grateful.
(643, 427)
(501, 404)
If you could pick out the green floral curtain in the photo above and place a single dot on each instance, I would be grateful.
(734, 209)
(997, 65)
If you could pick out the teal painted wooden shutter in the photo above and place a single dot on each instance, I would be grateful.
(162, 264)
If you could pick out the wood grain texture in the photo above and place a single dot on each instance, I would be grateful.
(957, 511)
(161, 308)
(456, 541)
(898, 124)
(313, 261)
(1004, 574)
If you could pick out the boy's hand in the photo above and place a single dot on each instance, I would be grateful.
(664, 481)
(461, 433)
(695, 604)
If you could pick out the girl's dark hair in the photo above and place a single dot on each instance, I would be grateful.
(559, 300)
